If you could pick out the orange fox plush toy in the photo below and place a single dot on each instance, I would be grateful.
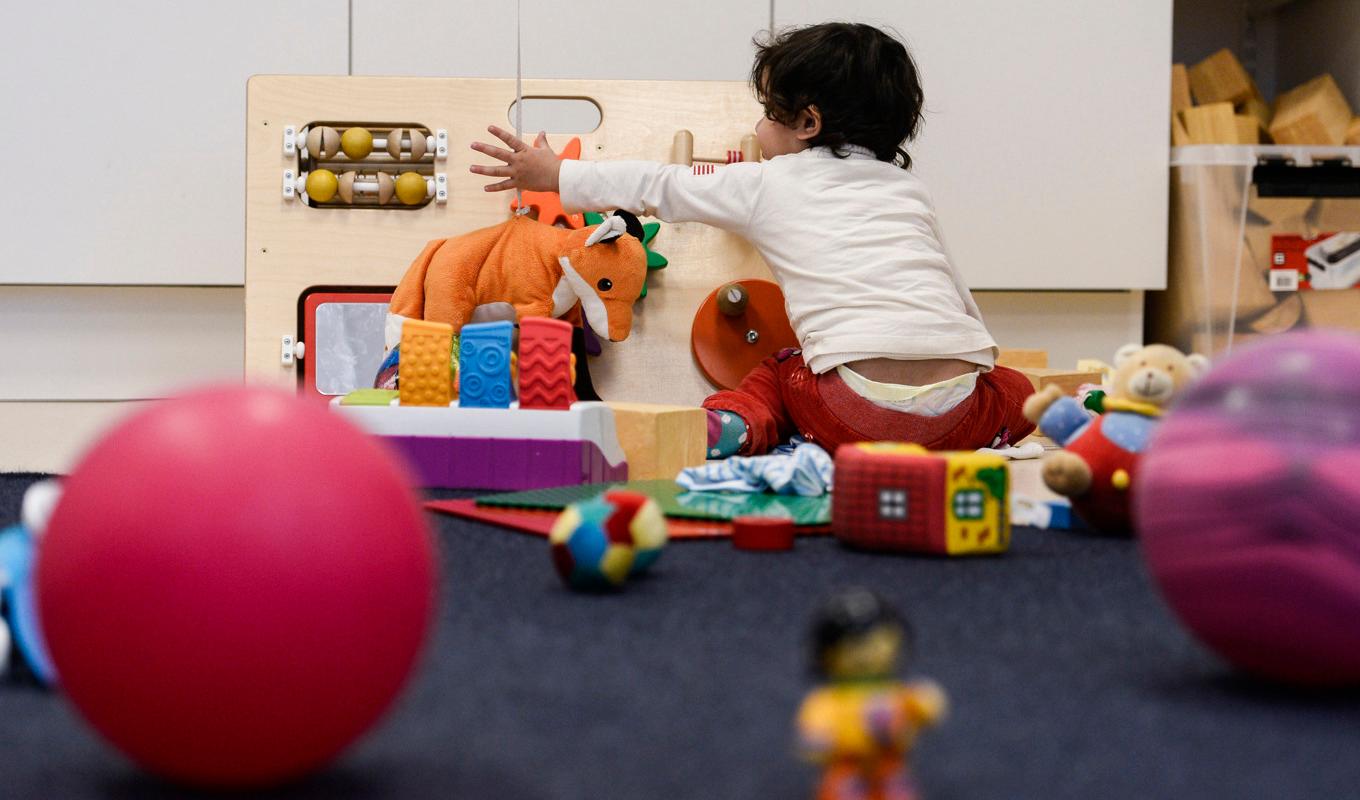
(522, 268)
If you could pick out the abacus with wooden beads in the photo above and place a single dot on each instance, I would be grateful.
(682, 152)
(331, 159)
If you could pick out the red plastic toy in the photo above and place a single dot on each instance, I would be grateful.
(235, 585)
(545, 363)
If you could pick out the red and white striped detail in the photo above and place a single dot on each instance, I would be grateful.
(704, 169)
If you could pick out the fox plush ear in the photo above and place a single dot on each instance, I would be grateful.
(614, 226)
(632, 225)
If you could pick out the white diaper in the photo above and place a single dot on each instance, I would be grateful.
(931, 400)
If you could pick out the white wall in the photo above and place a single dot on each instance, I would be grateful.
(152, 94)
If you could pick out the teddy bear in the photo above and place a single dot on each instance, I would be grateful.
(1098, 463)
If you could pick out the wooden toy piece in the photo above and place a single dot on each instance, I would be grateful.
(426, 363)
(861, 724)
(1067, 380)
(411, 188)
(406, 144)
(659, 440)
(483, 365)
(545, 364)
(1257, 108)
(895, 496)
(1180, 89)
(727, 347)
(1353, 132)
(682, 152)
(1221, 78)
(762, 534)
(323, 141)
(1017, 358)
(1248, 129)
(1314, 113)
(322, 185)
(1211, 124)
(732, 299)
(1180, 137)
(356, 143)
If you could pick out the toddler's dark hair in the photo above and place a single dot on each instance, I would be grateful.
(862, 80)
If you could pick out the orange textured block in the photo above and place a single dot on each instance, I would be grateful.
(1221, 78)
(1353, 132)
(1248, 129)
(426, 363)
(1314, 113)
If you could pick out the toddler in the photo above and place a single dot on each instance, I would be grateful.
(892, 345)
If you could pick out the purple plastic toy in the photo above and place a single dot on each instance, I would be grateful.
(1248, 508)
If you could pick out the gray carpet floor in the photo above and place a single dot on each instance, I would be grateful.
(1068, 678)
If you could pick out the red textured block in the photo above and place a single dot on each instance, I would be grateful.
(545, 379)
(762, 533)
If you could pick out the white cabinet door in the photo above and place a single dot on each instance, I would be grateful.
(698, 40)
(125, 129)
(1045, 141)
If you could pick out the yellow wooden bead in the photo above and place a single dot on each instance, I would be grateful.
(322, 185)
(1120, 479)
(411, 188)
(357, 143)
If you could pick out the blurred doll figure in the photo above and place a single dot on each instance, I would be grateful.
(861, 724)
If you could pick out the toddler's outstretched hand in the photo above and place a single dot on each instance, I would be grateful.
(530, 169)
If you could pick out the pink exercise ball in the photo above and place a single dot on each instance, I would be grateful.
(235, 585)
(1246, 508)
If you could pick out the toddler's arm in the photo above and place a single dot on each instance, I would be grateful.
(725, 198)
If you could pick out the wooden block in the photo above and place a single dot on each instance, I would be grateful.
(1314, 113)
(660, 440)
(1180, 89)
(1353, 132)
(1211, 124)
(1219, 78)
(1067, 380)
(1179, 135)
(1248, 129)
(1256, 107)
(1284, 316)
(1017, 358)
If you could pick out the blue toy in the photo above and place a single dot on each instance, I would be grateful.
(484, 365)
(19, 603)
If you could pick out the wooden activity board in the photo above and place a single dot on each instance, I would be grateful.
(291, 247)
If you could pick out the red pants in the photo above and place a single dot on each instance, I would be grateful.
(782, 397)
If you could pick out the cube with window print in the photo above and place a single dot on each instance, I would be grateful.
(896, 496)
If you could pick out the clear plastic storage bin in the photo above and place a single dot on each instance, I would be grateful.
(1227, 203)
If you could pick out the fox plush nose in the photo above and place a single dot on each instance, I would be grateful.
(620, 320)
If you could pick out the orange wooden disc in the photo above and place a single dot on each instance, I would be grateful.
(722, 345)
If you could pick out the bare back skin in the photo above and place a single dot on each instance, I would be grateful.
(911, 373)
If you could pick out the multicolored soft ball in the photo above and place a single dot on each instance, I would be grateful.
(1246, 508)
(598, 543)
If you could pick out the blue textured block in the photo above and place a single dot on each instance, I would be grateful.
(484, 365)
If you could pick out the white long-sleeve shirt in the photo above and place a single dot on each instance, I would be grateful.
(852, 241)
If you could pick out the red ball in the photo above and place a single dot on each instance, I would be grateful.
(235, 585)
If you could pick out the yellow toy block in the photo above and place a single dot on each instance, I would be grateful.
(1220, 78)
(426, 357)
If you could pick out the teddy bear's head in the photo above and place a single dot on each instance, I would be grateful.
(1153, 374)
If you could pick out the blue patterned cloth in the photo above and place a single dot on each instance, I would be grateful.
(807, 471)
